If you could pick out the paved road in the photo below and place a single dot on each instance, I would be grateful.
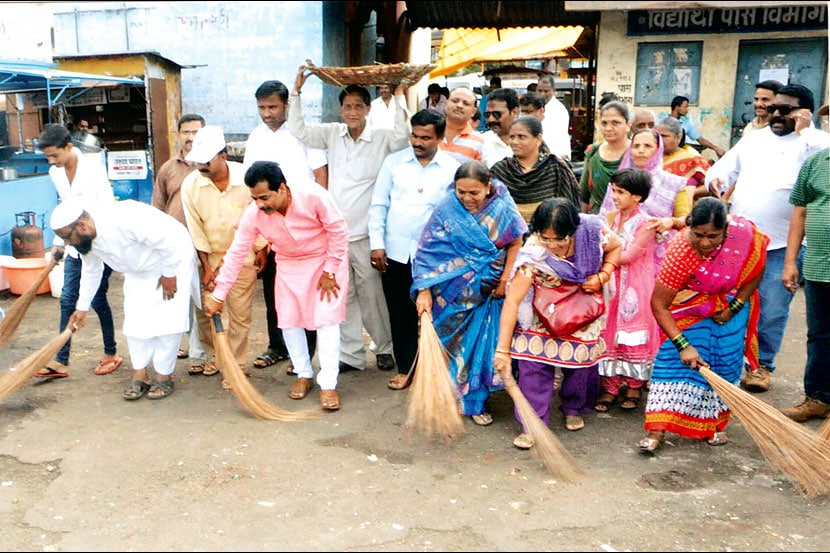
(83, 470)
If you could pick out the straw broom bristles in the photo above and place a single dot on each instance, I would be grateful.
(824, 432)
(433, 402)
(18, 309)
(248, 396)
(17, 376)
(785, 444)
(546, 446)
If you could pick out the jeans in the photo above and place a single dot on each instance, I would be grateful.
(817, 370)
(69, 297)
(775, 307)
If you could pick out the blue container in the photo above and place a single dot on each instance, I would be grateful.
(125, 189)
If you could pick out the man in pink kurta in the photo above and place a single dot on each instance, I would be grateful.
(310, 240)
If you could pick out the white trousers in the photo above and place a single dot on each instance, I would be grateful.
(162, 351)
(328, 353)
(365, 307)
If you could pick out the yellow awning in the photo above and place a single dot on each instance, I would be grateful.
(461, 47)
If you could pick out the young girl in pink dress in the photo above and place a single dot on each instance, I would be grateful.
(631, 333)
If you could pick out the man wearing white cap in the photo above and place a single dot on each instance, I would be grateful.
(214, 198)
(156, 255)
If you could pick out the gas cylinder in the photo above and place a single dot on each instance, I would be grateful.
(27, 237)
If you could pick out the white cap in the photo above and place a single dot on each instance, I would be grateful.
(66, 213)
(209, 141)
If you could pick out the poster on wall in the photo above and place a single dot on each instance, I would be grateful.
(86, 97)
(119, 94)
(666, 70)
(127, 165)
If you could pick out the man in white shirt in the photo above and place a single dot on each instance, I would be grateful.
(77, 176)
(763, 167)
(356, 152)
(557, 120)
(502, 110)
(764, 95)
(410, 184)
(271, 141)
(156, 255)
(382, 109)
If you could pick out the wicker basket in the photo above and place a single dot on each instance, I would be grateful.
(392, 74)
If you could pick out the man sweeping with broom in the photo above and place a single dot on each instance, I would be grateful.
(310, 241)
(156, 255)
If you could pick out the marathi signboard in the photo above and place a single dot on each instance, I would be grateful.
(727, 20)
(127, 165)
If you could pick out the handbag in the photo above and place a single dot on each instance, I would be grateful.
(566, 308)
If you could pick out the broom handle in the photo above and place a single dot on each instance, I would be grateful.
(217, 323)
(42, 276)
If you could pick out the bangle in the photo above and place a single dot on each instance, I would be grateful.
(680, 342)
(214, 298)
(600, 277)
(736, 305)
(503, 351)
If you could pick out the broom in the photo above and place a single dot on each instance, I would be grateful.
(546, 446)
(785, 444)
(433, 402)
(251, 400)
(17, 376)
(824, 432)
(15, 314)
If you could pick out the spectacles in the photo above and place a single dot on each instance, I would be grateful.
(493, 114)
(558, 241)
(783, 109)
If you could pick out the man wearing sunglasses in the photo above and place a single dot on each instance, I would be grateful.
(762, 169)
(502, 109)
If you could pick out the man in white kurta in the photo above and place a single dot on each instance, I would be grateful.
(156, 255)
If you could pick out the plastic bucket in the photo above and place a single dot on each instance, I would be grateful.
(22, 273)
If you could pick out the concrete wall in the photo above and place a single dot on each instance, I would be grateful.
(232, 46)
(617, 70)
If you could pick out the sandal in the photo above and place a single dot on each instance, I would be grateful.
(49, 372)
(399, 382)
(484, 419)
(210, 369)
(136, 390)
(268, 358)
(605, 401)
(107, 366)
(300, 388)
(574, 423)
(182, 354)
(631, 399)
(329, 400)
(160, 389)
(196, 369)
(719, 438)
(523, 441)
(652, 442)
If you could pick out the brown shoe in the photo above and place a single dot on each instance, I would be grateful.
(756, 381)
(808, 409)
(399, 382)
(329, 400)
(301, 388)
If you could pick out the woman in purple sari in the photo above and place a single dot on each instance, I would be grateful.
(564, 245)
(459, 276)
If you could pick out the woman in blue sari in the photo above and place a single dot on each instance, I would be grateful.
(460, 270)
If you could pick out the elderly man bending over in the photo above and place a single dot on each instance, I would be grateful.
(156, 255)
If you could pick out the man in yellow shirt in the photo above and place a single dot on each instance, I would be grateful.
(214, 198)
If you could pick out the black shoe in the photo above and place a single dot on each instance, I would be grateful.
(385, 361)
(345, 367)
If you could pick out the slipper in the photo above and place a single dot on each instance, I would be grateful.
(631, 400)
(719, 438)
(484, 419)
(107, 366)
(605, 402)
(160, 389)
(210, 369)
(182, 354)
(329, 400)
(50, 373)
